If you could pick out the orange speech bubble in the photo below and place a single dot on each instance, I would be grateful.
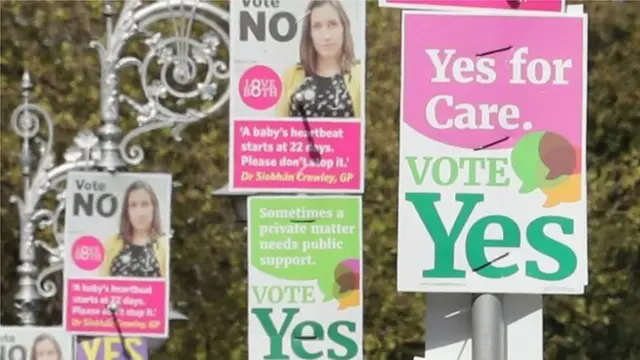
(350, 299)
(568, 191)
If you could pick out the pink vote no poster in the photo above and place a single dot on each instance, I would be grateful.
(476, 5)
(297, 96)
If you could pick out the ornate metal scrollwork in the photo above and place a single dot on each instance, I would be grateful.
(181, 74)
(26, 122)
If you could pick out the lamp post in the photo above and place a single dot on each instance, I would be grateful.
(189, 86)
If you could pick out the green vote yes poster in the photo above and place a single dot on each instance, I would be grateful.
(305, 277)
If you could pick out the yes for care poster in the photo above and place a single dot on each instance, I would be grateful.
(117, 237)
(297, 96)
(305, 277)
(492, 188)
(35, 343)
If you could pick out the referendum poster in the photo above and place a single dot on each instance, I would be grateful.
(478, 5)
(305, 277)
(492, 184)
(297, 106)
(112, 348)
(35, 343)
(117, 236)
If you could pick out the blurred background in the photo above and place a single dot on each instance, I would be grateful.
(50, 39)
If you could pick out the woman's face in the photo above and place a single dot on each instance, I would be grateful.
(46, 350)
(140, 209)
(327, 32)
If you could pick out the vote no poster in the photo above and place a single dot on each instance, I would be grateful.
(35, 343)
(492, 184)
(112, 348)
(117, 241)
(297, 96)
(305, 277)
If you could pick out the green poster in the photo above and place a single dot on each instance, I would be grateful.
(305, 281)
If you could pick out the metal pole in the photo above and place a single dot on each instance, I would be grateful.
(488, 328)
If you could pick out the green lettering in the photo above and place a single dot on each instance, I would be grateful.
(477, 243)
(563, 254)
(307, 295)
(496, 167)
(444, 242)
(259, 293)
(473, 169)
(275, 335)
(437, 173)
(298, 336)
(418, 177)
(346, 342)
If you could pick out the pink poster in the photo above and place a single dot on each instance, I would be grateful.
(297, 101)
(469, 91)
(475, 5)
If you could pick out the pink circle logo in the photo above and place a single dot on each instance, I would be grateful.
(87, 253)
(260, 87)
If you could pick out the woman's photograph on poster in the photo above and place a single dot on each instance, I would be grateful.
(35, 343)
(139, 247)
(46, 347)
(326, 82)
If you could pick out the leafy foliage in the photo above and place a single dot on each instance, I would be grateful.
(49, 38)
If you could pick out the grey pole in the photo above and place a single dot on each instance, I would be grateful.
(488, 328)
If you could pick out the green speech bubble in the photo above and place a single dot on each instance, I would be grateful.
(526, 163)
(525, 160)
(305, 238)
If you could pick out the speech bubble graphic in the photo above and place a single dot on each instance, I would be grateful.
(351, 299)
(347, 276)
(525, 161)
(578, 152)
(307, 239)
(347, 283)
(567, 191)
(529, 167)
(557, 154)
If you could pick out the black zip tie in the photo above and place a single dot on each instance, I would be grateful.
(306, 337)
(492, 144)
(314, 154)
(494, 51)
(303, 221)
(116, 323)
(490, 262)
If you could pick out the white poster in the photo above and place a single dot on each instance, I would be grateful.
(305, 277)
(117, 246)
(492, 179)
(297, 106)
(35, 343)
